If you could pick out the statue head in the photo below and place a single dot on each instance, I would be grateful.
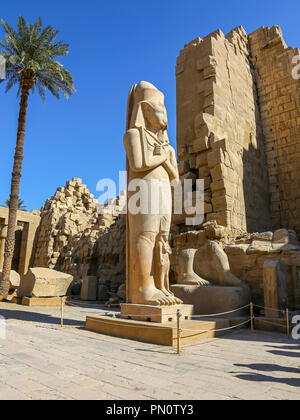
(146, 108)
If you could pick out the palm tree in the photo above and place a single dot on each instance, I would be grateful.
(20, 204)
(30, 54)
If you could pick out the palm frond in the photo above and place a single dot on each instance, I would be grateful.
(21, 205)
(33, 48)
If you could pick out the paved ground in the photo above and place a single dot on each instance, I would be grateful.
(38, 360)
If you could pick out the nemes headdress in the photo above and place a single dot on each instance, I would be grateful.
(141, 93)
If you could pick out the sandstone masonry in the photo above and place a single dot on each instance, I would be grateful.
(238, 127)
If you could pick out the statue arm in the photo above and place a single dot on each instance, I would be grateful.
(135, 154)
(171, 165)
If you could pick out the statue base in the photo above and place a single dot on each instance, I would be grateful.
(158, 314)
(214, 299)
(36, 301)
(158, 325)
(164, 334)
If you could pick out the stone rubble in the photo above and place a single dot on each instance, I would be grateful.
(80, 237)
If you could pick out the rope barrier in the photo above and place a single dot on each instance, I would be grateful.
(68, 303)
(136, 326)
(223, 313)
(221, 329)
(270, 309)
(272, 323)
(192, 316)
(179, 316)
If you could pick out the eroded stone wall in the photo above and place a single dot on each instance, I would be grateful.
(279, 97)
(219, 129)
(238, 127)
(248, 253)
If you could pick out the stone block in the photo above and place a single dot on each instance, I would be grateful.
(14, 279)
(260, 247)
(89, 288)
(201, 160)
(201, 145)
(44, 282)
(102, 293)
(215, 158)
(275, 288)
(285, 236)
(203, 172)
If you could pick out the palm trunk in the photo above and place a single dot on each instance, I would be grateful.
(14, 196)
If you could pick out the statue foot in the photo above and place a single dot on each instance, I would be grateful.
(173, 297)
(194, 281)
(158, 298)
(178, 301)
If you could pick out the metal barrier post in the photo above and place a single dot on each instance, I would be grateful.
(251, 316)
(62, 313)
(179, 315)
(287, 323)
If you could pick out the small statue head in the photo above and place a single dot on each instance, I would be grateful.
(146, 108)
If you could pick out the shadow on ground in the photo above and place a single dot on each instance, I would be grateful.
(28, 316)
(263, 367)
(285, 353)
(292, 346)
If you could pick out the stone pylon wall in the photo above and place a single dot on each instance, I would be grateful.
(279, 97)
(222, 127)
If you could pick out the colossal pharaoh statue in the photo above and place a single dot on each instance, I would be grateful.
(151, 167)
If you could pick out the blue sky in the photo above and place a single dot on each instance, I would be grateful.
(113, 45)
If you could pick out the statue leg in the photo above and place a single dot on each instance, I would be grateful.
(186, 274)
(142, 284)
(167, 290)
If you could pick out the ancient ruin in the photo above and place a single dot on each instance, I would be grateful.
(238, 129)
(25, 237)
(162, 265)
(82, 238)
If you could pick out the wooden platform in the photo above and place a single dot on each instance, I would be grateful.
(27, 301)
(156, 333)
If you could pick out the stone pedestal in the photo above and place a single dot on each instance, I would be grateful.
(275, 288)
(27, 301)
(164, 334)
(213, 299)
(158, 314)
